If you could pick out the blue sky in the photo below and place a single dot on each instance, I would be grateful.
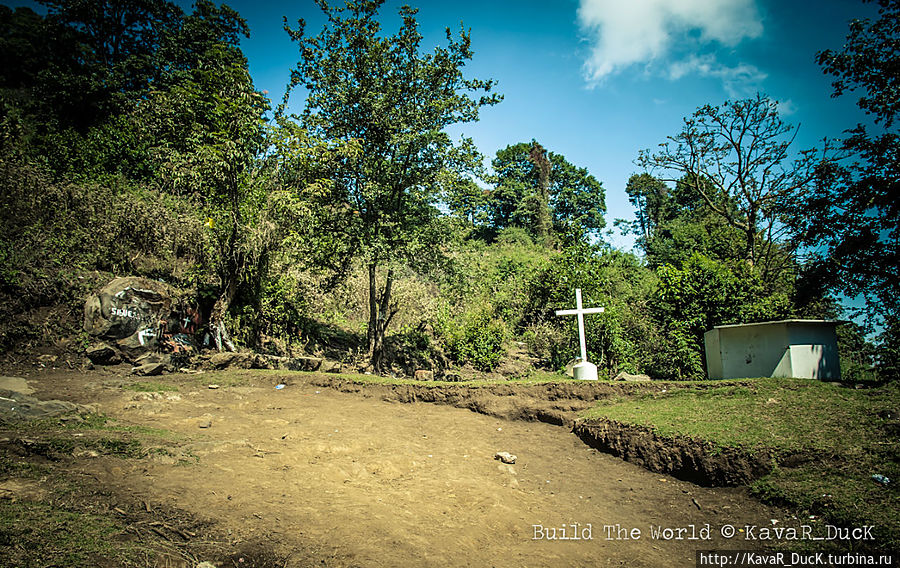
(600, 80)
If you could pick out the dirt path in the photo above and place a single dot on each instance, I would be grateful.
(364, 482)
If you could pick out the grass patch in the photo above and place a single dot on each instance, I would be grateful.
(151, 386)
(781, 414)
(16, 467)
(842, 436)
(91, 422)
(37, 535)
(56, 438)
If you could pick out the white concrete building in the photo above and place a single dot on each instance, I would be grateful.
(786, 348)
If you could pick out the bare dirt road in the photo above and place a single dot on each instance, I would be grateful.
(339, 479)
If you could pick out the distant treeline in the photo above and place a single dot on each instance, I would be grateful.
(134, 142)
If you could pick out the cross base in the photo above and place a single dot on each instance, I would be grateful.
(584, 371)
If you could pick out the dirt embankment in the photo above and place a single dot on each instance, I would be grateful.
(692, 460)
(560, 403)
(553, 403)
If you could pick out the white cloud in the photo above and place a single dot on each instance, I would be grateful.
(626, 33)
(740, 80)
(787, 107)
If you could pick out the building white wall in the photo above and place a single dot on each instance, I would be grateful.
(789, 348)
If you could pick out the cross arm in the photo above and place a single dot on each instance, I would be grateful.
(582, 311)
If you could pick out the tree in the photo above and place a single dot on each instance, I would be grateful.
(697, 296)
(205, 129)
(651, 200)
(854, 218)
(683, 224)
(573, 197)
(737, 158)
(75, 77)
(541, 202)
(382, 94)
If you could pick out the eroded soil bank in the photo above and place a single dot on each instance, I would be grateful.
(691, 460)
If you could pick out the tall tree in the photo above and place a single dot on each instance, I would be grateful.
(651, 200)
(683, 224)
(538, 157)
(572, 198)
(738, 158)
(394, 102)
(204, 127)
(854, 219)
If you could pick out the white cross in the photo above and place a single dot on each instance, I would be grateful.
(580, 311)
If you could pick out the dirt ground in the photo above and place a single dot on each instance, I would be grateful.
(332, 478)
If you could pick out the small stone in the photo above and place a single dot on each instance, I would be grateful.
(15, 384)
(505, 457)
(623, 376)
(330, 367)
(205, 424)
(103, 354)
(206, 565)
(452, 377)
(423, 375)
(213, 387)
(148, 370)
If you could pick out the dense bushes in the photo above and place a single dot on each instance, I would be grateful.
(55, 236)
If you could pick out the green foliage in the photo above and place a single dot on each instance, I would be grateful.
(852, 224)
(615, 339)
(476, 337)
(55, 235)
(576, 200)
(735, 159)
(394, 102)
(700, 295)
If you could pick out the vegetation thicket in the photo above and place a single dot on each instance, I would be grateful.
(134, 142)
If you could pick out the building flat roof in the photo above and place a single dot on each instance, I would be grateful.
(803, 321)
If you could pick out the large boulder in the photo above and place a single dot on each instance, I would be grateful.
(130, 314)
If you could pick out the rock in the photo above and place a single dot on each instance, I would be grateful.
(623, 376)
(305, 364)
(330, 367)
(154, 358)
(15, 406)
(148, 370)
(423, 375)
(138, 315)
(452, 377)
(128, 311)
(47, 358)
(505, 457)
(103, 354)
(145, 396)
(15, 384)
(232, 360)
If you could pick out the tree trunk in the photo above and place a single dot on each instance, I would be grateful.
(751, 238)
(379, 318)
(217, 318)
(538, 157)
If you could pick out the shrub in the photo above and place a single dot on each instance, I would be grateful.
(476, 338)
